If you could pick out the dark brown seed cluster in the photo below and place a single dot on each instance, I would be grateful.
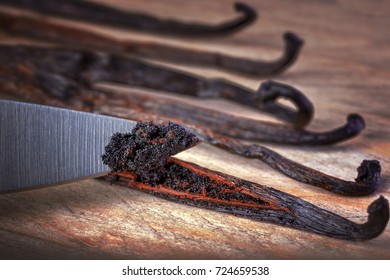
(147, 148)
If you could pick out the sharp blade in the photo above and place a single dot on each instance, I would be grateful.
(42, 146)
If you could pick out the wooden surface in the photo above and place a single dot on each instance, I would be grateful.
(344, 68)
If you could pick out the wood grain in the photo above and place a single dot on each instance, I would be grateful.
(344, 68)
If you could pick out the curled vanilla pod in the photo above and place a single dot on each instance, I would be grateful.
(38, 28)
(122, 70)
(227, 125)
(367, 181)
(101, 14)
(142, 160)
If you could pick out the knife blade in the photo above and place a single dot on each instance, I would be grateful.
(43, 146)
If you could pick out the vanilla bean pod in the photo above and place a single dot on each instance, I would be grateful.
(367, 181)
(54, 75)
(228, 125)
(122, 70)
(228, 194)
(44, 30)
(101, 14)
(141, 160)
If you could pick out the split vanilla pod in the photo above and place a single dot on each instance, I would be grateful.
(142, 160)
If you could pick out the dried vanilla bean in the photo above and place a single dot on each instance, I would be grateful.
(38, 28)
(141, 160)
(229, 125)
(120, 70)
(366, 182)
(101, 14)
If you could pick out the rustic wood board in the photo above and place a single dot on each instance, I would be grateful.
(344, 68)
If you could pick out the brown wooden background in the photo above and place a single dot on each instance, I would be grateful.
(344, 68)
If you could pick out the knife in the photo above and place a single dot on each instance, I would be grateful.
(43, 146)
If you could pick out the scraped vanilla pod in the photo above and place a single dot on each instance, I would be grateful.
(191, 184)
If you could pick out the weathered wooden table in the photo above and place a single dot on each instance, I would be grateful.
(344, 68)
